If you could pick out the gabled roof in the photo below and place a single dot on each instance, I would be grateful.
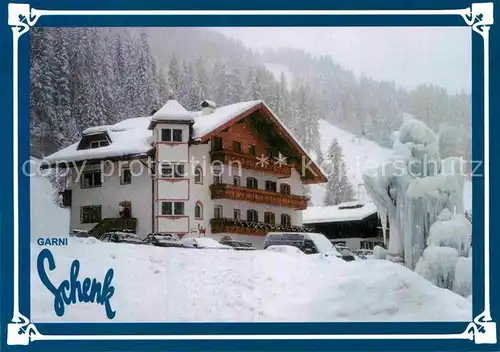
(133, 137)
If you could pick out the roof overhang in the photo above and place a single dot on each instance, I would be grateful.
(77, 163)
(317, 174)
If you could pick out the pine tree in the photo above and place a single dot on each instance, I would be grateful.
(338, 187)
(173, 80)
(202, 81)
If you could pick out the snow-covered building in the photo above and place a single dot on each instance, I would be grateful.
(232, 171)
(354, 225)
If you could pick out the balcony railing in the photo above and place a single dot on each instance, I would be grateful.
(243, 227)
(227, 191)
(248, 161)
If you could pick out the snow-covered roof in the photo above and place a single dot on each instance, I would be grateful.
(206, 123)
(134, 136)
(172, 110)
(337, 213)
(128, 137)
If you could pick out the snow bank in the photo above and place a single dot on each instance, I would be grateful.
(454, 233)
(463, 277)
(47, 219)
(437, 265)
(173, 284)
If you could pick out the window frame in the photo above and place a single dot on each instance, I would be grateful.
(172, 208)
(100, 143)
(236, 180)
(85, 173)
(271, 186)
(86, 207)
(237, 147)
(251, 149)
(198, 175)
(216, 209)
(237, 211)
(122, 176)
(177, 138)
(252, 182)
(287, 222)
(269, 218)
(168, 132)
(285, 189)
(198, 205)
(175, 173)
(217, 143)
(251, 213)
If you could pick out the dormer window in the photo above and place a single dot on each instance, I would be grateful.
(93, 141)
(98, 144)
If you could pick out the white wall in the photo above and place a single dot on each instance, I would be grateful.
(111, 193)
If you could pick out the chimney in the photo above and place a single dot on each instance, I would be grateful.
(207, 107)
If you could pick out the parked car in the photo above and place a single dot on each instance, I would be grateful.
(78, 233)
(121, 237)
(283, 248)
(239, 246)
(162, 240)
(307, 242)
(202, 242)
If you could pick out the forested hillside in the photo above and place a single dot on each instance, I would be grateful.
(82, 77)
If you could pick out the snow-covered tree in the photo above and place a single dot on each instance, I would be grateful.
(338, 187)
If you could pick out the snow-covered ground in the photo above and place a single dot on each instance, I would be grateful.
(47, 219)
(359, 154)
(173, 284)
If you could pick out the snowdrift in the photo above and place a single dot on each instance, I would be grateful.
(181, 285)
(46, 218)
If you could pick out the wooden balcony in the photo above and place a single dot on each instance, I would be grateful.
(226, 191)
(243, 227)
(247, 161)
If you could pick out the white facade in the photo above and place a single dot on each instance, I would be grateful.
(111, 193)
(164, 192)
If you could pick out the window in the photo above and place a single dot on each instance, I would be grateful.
(218, 213)
(309, 247)
(237, 147)
(236, 181)
(173, 171)
(198, 211)
(177, 135)
(270, 153)
(252, 183)
(198, 175)
(237, 214)
(91, 179)
(172, 208)
(217, 145)
(285, 189)
(98, 144)
(270, 186)
(90, 214)
(126, 177)
(217, 177)
(269, 218)
(252, 215)
(251, 150)
(286, 220)
(166, 135)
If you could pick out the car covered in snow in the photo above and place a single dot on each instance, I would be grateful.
(283, 248)
(306, 242)
(78, 233)
(238, 245)
(162, 240)
(202, 242)
(121, 237)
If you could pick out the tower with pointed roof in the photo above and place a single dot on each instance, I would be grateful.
(172, 127)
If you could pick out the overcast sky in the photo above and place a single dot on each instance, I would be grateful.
(406, 55)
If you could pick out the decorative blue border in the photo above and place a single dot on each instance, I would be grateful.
(211, 329)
